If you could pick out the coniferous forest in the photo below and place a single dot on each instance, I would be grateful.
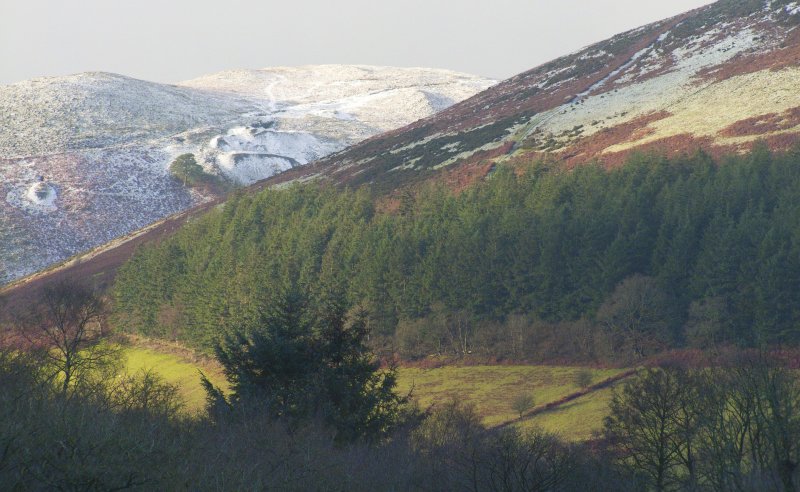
(532, 264)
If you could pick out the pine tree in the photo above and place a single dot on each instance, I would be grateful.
(303, 363)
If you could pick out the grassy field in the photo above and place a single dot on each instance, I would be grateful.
(176, 368)
(576, 420)
(492, 389)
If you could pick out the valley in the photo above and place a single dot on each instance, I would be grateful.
(348, 277)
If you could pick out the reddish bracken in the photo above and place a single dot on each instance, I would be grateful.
(764, 124)
(786, 55)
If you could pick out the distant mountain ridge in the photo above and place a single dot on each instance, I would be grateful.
(101, 143)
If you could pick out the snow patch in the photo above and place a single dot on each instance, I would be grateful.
(37, 198)
(451, 146)
(663, 92)
(594, 54)
(733, 99)
(614, 73)
(249, 168)
(408, 165)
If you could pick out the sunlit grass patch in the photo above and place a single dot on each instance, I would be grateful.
(576, 420)
(492, 389)
(175, 370)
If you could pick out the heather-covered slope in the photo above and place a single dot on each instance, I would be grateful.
(719, 77)
(84, 158)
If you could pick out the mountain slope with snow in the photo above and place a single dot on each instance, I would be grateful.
(84, 158)
(719, 78)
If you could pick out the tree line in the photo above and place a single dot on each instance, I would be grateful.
(732, 426)
(535, 262)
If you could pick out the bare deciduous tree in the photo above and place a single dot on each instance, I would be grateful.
(145, 391)
(640, 426)
(731, 427)
(459, 329)
(66, 325)
(636, 318)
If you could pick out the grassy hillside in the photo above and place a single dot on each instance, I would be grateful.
(576, 420)
(493, 389)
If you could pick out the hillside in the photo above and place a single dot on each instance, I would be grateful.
(97, 146)
(719, 77)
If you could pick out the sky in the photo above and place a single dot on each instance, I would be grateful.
(174, 40)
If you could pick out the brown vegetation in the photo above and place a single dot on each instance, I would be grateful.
(784, 56)
(463, 174)
(673, 146)
(763, 124)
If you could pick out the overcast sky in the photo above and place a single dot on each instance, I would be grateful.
(174, 40)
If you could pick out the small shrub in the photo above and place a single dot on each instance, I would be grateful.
(583, 378)
(145, 391)
(522, 403)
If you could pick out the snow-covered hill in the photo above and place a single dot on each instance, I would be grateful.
(84, 158)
